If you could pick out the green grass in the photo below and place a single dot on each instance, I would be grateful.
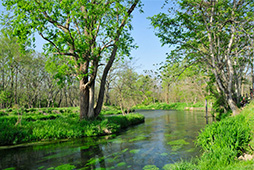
(113, 110)
(62, 123)
(222, 143)
(171, 106)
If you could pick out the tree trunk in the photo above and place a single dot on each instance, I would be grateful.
(16, 87)
(60, 98)
(167, 93)
(252, 74)
(91, 113)
(84, 100)
(233, 106)
(87, 110)
(3, 85)
(66, 98)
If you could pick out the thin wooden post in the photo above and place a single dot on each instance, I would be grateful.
(206, 111)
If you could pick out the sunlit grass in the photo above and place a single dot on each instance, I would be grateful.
(170, 106)
(222, 143)
(28, 125)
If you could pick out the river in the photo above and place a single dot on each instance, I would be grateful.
(165, 137)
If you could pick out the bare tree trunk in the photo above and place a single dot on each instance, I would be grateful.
(16, 87)
(84, 99)
(91, 113)
(3, 85)
(167, 93)
(103, 81)
(233, 106)
(66, 98)
(60, 99)
(252, 75)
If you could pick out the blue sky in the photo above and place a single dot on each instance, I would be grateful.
(150, 51)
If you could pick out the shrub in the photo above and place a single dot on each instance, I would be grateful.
(32, 110)
(9, 110)
(217, 158)
(182, 165)
(223, 141)
(3, 113)
(10, 134)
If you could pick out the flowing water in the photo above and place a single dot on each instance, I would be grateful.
(164, 138)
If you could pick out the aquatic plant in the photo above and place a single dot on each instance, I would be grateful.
(150, 167)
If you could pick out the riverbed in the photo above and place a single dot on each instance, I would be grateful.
(165, 138)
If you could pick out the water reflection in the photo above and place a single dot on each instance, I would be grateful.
(165, 137)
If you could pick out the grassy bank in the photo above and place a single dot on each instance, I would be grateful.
(223, 142)
(113, 110)
(29, 125)
(170, 106)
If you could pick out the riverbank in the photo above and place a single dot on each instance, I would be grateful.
(30, 125)
(224, 143)
(172, 106)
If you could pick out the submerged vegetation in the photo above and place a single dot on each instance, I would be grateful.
(27, 125)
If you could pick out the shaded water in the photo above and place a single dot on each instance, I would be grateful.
(164, 138)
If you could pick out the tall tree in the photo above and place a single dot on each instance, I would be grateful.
(79, 33)
(214, 32)
(10, 61)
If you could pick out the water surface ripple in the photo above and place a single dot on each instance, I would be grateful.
(164, 138)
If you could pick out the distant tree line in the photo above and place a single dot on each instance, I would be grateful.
(27, 81)
(212, 56)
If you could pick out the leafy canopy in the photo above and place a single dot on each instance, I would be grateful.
(79, 30)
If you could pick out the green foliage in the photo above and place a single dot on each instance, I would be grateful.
(111, 110)
(121, 164)
(127, 120)
(11, 168)
(134, 151)
(182, 165)
(36, 126)
(11, 134)
(222, 142)
(63, 167)
(3, 96)
(165, 106)
(217, 158)
(201, 36)
(3, 113)
(150, 167)
(233, 132)
(74, 44)
(220, 108)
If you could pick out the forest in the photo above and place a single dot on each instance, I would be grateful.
(31, 79)
(86, 72)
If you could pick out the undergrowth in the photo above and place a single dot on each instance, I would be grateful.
(22, 126)
(222, 143)
(170, 106)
